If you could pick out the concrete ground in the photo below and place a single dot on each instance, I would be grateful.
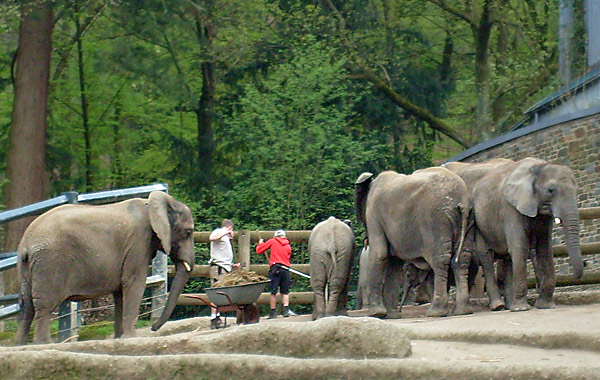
(560, 343)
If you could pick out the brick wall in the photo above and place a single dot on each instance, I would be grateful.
(575, 144)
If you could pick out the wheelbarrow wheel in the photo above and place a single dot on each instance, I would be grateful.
(247, 314)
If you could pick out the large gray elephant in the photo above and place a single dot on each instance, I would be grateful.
(332, 248)
(79, 252)
(421, 219)
(515, 204)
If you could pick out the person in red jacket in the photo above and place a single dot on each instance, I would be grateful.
(279, 262)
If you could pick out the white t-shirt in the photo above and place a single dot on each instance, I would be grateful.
(221, 251)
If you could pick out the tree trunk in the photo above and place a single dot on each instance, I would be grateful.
(84, 107)
(26, 161)
(446, 78)
(565, 40)
(498, 107)
(205, 132)
(117, 181)
(481, 34)
(205, 32)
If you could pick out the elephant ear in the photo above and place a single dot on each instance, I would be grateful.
(518, 186)
(158, 209)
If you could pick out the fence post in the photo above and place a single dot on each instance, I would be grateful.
(68, 312)
(244, 248)
(159, 293)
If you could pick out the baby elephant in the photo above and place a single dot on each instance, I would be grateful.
(331, 246)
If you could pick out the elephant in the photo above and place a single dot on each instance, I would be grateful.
(411, 278)
(79, 252)
(332, 248)
(362, 290)
(515, 204)
(418, 280)
(420, 219)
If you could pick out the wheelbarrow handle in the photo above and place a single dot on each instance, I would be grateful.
(226, 295)
(207, 303)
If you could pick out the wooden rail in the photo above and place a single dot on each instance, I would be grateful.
(300, 236)
(246, 238)
(263, 299)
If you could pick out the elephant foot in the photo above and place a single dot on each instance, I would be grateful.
(393, 314)
(437, 312)
(542, 303)
(462, 310)
(377, 311)
(498, 304)
(519, 305)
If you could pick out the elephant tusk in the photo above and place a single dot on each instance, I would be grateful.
(557, 220)
(187, 266)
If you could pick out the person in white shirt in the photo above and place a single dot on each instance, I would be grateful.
(221, 260)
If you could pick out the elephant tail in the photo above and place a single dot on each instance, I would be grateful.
(361, 191)
(464, 212)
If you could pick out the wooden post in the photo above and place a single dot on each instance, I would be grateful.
(244, 249)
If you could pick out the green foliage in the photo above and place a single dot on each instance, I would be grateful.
(295, 156)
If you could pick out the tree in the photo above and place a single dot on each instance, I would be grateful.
(26, 169)
(364, 71)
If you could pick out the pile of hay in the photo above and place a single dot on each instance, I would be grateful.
(239, 277)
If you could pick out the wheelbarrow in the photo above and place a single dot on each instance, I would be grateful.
(238, 298)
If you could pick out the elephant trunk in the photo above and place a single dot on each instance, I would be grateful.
(179, 281)
(571, 234)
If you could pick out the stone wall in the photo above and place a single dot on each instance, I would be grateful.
(575, 144)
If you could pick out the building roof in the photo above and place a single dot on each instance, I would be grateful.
(577, 85)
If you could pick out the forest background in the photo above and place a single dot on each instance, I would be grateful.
(262, 111)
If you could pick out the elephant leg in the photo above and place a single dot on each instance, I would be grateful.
(335, 288)
(544, 268)
(342, 308)
(25, 318)
(461, 273)
(378, 251)
(132, 299)
(486, 261)
(318, 280)
(519, 252)
(43, 304)
(505, 279)
(440, 265)
(42, 327)
(118, 297)
(409, 273)
(43, 312)
(392, 284)
(359, 297)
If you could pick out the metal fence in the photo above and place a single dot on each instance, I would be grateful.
(69, 318)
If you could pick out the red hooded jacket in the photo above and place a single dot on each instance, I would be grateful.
(281, 251)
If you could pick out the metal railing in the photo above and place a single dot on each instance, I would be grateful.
(9, 260)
